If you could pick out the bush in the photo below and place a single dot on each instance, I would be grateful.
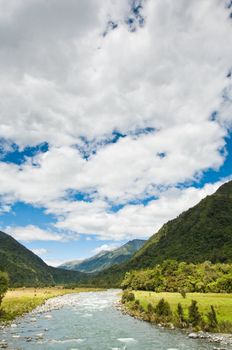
(183, 293)
(163, 308)
(127, 296)
(150, 308)
(224, 284)
(4, 283)
(212, 318)
(180, 312)
(194, 314)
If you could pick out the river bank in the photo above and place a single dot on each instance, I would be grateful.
(138, 309)
(217, 338)
(20, 301)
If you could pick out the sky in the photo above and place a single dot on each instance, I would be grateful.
(115, 117)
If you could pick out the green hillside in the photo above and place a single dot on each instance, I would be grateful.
(105, 259)
(201, 233)
(27, 269)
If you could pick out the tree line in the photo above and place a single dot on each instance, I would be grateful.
(173, 276)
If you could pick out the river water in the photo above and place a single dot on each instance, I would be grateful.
(89, 321)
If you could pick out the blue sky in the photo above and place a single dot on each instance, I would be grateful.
(115, 117)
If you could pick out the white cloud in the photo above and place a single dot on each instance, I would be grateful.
(104, 248)
(32, 233)
(40, 251)
(132, 221)
(54, 262)
(62, 81)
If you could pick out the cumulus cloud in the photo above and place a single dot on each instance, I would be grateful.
(65, 83)
(32, 233)
(137, 220)
(104, 248)
(54, 262)
(40, 251)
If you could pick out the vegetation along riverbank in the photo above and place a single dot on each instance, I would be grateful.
(211, 312)
(22, 300)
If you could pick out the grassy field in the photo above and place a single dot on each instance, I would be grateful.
(221, 302)
(22, 300)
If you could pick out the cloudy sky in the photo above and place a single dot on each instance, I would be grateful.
(116, 116)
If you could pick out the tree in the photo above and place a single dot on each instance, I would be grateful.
(127, 296)
(163, 308)
(180, 312)
(4, 282)
(182, 293)
(150, 308)
(212, 317)
(194, 314)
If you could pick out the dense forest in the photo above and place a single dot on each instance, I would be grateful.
(24, 268)
(173, 276)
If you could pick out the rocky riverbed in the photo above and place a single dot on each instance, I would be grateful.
(223, 339)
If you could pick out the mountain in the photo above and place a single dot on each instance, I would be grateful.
(105, 259)
(201, 233)
(27, 269)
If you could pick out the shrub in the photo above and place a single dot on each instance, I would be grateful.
(127, 296)
(194, 314)
(4, 283)
(183, 293)
(150, 308)
(163, 308)
(180, 312)
(212, 318)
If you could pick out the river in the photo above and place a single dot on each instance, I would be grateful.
(89, 321)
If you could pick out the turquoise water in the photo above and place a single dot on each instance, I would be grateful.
(89, 321)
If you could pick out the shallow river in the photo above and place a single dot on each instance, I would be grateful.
(89, 321)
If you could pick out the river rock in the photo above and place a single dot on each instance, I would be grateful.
(3, 344)
(39, 336)
(193, 335)
(28, 339)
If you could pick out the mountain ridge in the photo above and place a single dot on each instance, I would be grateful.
(105, 259)
(27, 269)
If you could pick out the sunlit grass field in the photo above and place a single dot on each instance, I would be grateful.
(221, 302)
(22, 300)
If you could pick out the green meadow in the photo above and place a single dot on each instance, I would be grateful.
(22, 300)
(221, 302)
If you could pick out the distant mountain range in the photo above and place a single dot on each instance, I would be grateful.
(201, 233)
(105, 259)
(27, 269)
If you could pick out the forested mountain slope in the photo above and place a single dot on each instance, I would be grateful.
(27, 269)
(201, 233)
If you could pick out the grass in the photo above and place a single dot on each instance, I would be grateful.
(221, 302)
(22, 300)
